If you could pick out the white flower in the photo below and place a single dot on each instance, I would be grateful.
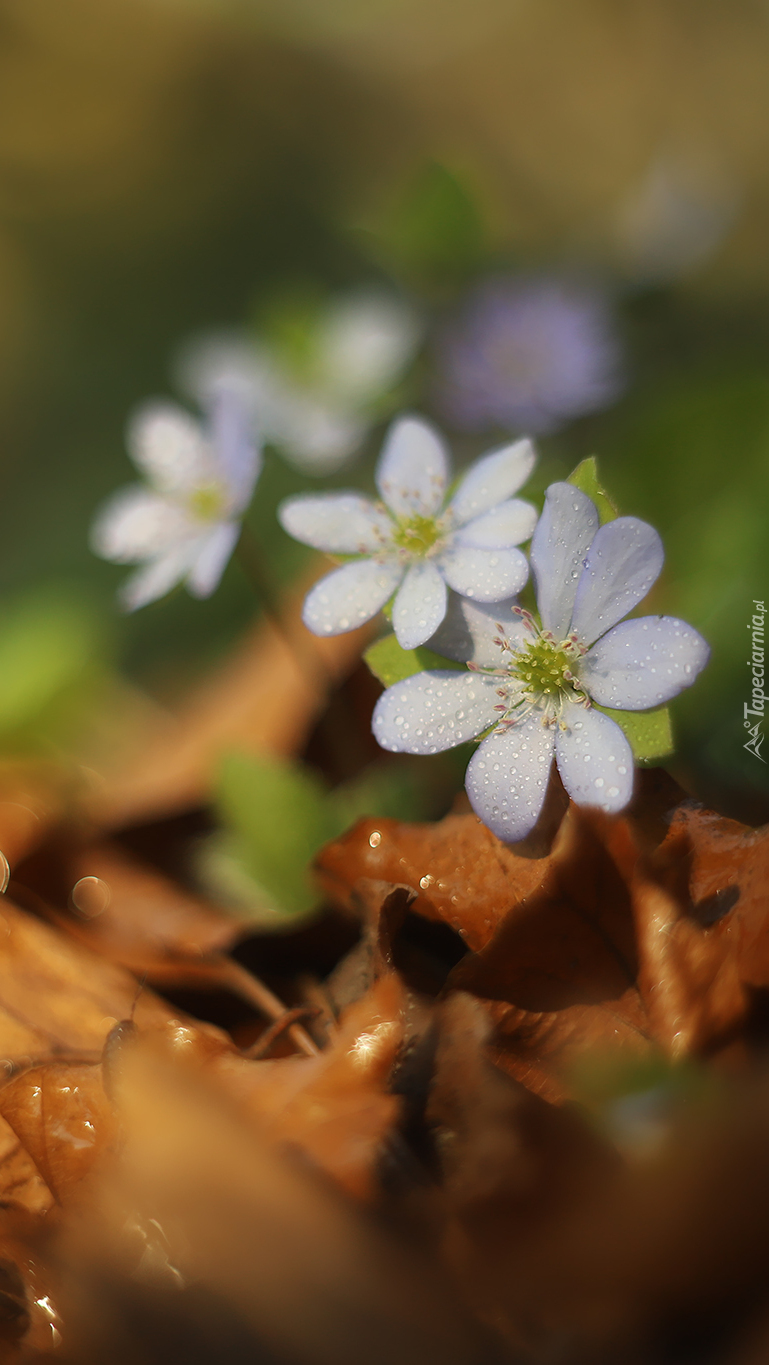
(413, 543)
(532, 687)
(181, 525)
(357, 350)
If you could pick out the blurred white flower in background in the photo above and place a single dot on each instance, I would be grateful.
(317, 407)
(181, 525)
(674, 219)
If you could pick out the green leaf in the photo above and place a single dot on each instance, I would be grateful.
(585, 477)
(436, 233)
(390, 664)
(276, 815)
(48, 648)
(649, 733)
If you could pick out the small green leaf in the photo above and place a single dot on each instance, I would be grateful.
(585, 477)
(436, 233)
(390, 664)
(276, 815)
(649, 733)
(48, 650)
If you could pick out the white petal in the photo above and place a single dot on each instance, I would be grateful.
(622, 563)
(235, 447)
(211, 559)
(594, 759)
(339, 523)
(563, 536)
(493, 479)
(643, 662)
(364, 342)
(170, 447)
(136, 524)
(505, 525)
(507, 778)
(412, 472)
(349, 596)
(469, 629)
(419, 606)
(156, 579)
(433, 711)
(315, 436)
(484, 575)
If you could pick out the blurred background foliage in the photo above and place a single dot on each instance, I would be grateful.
(173, 166)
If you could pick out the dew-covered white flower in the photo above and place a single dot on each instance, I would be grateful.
(318, 409)
(182, 524)
(417, 542)
(532, 687)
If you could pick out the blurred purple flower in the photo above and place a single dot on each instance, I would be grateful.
(529, 355)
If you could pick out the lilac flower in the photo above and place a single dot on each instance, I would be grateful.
(181, 525)
(414, 543)
(531, 687)
(528, 355)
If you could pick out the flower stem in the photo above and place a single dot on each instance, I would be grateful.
(296, 636)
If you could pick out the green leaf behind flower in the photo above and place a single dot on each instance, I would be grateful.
(649, 733)
(585, 477)
(275, 814)
(391, 664)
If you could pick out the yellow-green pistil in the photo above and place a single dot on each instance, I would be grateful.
(545, 670)
(208, 502)
(417, 534)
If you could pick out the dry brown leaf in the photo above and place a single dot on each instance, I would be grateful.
(460, 871)
(278, 1265)
(21, 1185)
(63, 1119)
(335, 1108)
(131, 914)
(264, 698)
(58, 999)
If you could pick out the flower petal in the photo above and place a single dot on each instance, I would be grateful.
(169, 446)
(484, 575)
(505, 525)
(211, 559)
(563, 536)
(339, 523)
(643, 662)
(154, 580)
(493, 479)
(419, 606)
(235, 447)
(469, 629)
(623, 561)
(412, 472)
(433, 711)
(136, 524)
(346, 598)
(594, 759)
(507, 778)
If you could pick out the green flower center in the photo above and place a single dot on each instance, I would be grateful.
(208, 502)
(545, 670)
(418, 535)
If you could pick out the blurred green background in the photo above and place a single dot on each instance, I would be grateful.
(168, 166)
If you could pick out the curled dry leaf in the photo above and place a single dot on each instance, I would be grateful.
(459, 870)
(603, 944)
